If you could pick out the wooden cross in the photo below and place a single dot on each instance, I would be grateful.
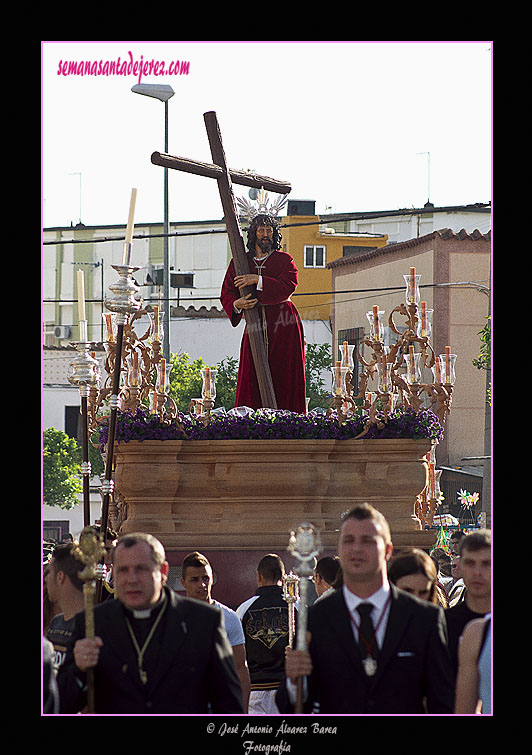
(225, 178)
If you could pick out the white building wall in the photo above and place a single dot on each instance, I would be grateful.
(410, 225)
(74, 516)
(206, 255)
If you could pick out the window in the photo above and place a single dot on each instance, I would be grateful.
(314, 256)
(55, 529)
(390, 337)
(348, 250)
(73, 422)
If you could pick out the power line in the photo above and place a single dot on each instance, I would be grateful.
(472, 284)
(213, 230)
(122, 238)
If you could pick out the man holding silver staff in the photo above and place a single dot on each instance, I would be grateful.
(372, 649)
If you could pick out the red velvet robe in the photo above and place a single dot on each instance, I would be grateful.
(286, 344)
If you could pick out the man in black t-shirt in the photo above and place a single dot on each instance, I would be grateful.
(264, 618)
(475, 567)
(65, 589)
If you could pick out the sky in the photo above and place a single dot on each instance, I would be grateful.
(354, 126)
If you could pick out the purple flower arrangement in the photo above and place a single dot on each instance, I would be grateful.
(263, 425)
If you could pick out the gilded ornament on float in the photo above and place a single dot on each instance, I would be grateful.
(398, 369)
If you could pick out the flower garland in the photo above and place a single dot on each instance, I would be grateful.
(273, 425)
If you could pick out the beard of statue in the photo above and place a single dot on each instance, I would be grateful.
(265, 244)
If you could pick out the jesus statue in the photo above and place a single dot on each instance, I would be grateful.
(274, 281)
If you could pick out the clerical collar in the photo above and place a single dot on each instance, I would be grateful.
(147, 613)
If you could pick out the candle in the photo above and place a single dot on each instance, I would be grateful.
(423, 318)
(162, 376)
(156, 323)
(109, 326)
(338, 378)
(81, 296)
(129, 229)
(207, 382)
(386, 370)
(412, 285)
(376, 322)
(384, 383)
(411, 357)
(437, 370)
(448, 377)
(432, 480)
(134, 372)
(346, 357)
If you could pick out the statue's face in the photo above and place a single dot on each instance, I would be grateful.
(264, 237)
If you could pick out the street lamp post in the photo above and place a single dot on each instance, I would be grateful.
(162, 92)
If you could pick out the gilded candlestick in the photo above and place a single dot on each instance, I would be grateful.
(291, 596)
(90, 551)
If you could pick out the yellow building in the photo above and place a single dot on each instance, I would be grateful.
(314, 244)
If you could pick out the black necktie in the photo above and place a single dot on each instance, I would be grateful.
(366, 632)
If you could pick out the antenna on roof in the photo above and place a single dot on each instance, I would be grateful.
(429, 203)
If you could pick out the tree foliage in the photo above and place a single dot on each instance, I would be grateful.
(61, 469)
(95, 457)
(318, 358)
(483, 361)
(226, 382)
(185, 378)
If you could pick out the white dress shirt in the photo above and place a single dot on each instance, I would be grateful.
(379, 615)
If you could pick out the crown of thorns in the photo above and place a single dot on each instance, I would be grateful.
(262, 207)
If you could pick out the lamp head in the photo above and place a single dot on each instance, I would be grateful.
(161, 92)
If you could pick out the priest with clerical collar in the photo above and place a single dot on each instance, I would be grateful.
(154, 652)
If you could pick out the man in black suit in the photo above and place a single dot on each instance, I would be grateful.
(154, 652)
(396, 663)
